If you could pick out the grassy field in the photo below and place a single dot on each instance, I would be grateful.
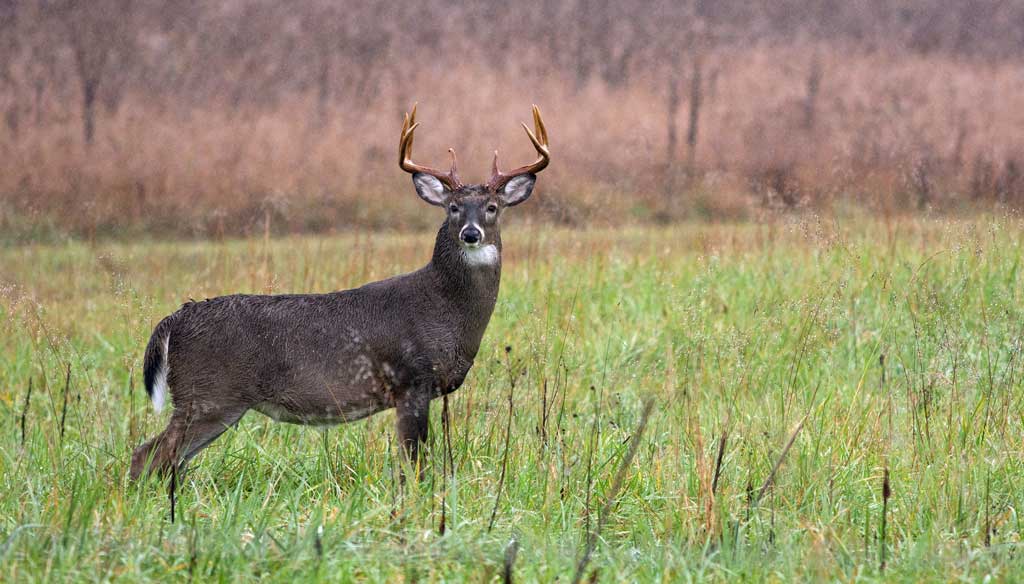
(870, 348)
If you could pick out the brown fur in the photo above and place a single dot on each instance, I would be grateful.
(331, 358)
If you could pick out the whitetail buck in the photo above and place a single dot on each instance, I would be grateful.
(338, 357)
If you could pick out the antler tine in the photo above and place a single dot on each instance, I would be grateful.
(538, 122)
(539, 138)
(409, 125)
(451, 152)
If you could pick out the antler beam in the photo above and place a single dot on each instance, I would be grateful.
(539, 138)
(450, 178)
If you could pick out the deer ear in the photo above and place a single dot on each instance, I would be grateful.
(518, 189)
(430, 189)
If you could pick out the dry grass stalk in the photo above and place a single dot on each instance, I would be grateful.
(613, 492)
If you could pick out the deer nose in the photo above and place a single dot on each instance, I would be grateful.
(471, 235)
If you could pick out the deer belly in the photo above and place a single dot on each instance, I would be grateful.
(340, 390)
(322, 412)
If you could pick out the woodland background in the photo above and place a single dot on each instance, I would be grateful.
(205, 118)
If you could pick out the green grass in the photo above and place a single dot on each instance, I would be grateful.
(741, 330)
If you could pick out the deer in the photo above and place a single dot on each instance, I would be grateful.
(327, 359)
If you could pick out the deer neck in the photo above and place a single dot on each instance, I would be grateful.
(469, 283)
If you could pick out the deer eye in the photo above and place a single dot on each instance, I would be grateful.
(492, 208)
(453, 208)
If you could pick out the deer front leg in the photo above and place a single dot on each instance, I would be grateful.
(413, 411)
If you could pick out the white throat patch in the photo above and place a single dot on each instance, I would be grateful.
(485, 255)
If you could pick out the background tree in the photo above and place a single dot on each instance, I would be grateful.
(99, 34)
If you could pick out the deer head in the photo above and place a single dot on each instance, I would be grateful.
(474, 211)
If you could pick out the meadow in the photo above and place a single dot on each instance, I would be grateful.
(833, 399)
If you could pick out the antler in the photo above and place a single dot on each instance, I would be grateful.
(540, 141)
(450, 179)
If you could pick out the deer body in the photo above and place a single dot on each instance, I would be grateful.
(337, 357)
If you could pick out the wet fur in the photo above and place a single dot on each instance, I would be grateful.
(321, 358)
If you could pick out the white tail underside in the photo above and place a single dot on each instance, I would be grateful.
(160, 388)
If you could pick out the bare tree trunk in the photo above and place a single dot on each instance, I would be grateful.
(811, 99)
(922, 182)
(13, 119)
(323, 83)
(89, 87)
(672, 140)
(696, 97)
(92, 40)
(38, 88)
(581, 46)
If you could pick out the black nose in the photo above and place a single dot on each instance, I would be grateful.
(471, 235)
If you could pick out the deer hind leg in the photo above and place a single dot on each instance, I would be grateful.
(155, 455)
(183, 438)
